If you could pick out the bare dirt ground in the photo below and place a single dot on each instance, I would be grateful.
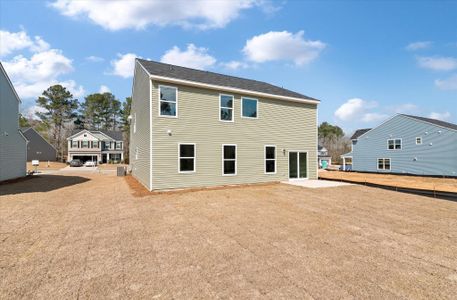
(405, 181)
(88, 235)
(110, 166)
(53, 165)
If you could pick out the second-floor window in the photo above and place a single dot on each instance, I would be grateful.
(95, 144)
(85, 144)
(168, 101)
(249, 108)
(74, 144)
(226, 108)
(118, 145)
(394, 144)
(419, 141)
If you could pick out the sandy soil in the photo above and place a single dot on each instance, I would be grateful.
(110, 166)
(417, 182)
(88, 235)
(53, 165)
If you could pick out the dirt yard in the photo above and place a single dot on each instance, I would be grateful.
(404, 181)
(53, 165)
(87, 235)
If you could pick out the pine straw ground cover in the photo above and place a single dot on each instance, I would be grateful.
(87, 235)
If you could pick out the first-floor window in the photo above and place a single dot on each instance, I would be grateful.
(229, 159)
(186, 158)
(383, 163)
(270, 159)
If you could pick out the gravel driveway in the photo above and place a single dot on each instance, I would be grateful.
(87, 236)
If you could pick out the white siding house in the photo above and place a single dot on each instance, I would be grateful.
(13, 145)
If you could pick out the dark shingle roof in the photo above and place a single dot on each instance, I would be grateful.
(115, 135)
(183, 73)
(359, 132)
(434, 121)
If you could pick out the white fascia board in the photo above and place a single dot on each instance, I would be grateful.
(231, 89)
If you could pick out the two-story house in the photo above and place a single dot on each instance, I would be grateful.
(13, 144)
(406, 144)
(193, 128)
(96, 145)
(324, 159)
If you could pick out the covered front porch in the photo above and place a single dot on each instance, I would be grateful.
(112, 157)
(347, 161)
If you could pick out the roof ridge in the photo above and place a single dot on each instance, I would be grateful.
(224, 75)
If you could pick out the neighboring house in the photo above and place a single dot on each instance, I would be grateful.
(406, 144)
(324, 160)
(96, 145)
(37, 147)
(13, 144)
(192, 128)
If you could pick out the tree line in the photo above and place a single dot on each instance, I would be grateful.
(332, 137)
(59, 113)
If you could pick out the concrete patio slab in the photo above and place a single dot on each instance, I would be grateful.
(315, 184)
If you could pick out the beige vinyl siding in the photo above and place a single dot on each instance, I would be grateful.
(288, 125)
(13, 148)
(140, 138)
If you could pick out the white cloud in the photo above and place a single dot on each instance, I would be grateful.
(405, 108)
(31, 111)
(448, 83)
(94, 58)
(374, 117)
(235, 65)
(418, 45)
(13, 41)
(32, 75)
(192, 57)
(440, 116)
(201, 14)
(124, 65)
(356, 109)
(282, 45)
(437, 63)
(104, 89)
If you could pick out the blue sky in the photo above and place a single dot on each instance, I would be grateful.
(364, 60)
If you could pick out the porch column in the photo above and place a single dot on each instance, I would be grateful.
(344, 163)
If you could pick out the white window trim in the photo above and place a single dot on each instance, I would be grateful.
(134, 123)
(298, 170)
(419, 137)
(232, 108)
(257, 106)
(236, 159)
(384, 164)
(136, 153)
(167, 116)
(194, 157)
(265, 160)
(401, 144)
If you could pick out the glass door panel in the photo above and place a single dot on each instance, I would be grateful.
(303, 165)
(293, 166)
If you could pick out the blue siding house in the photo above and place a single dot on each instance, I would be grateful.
(406, 144)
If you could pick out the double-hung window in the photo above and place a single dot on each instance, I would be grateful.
(394, 144)
(226, 108)
(229, 159)
(419, 140)
(118, 145)
(95, 144)
(186, 158)
(270, 159)
(168, 101)
(74, 144)
(249, 108)
(384, 164)
(85, 144)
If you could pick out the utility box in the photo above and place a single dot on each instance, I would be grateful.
(121, 171)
